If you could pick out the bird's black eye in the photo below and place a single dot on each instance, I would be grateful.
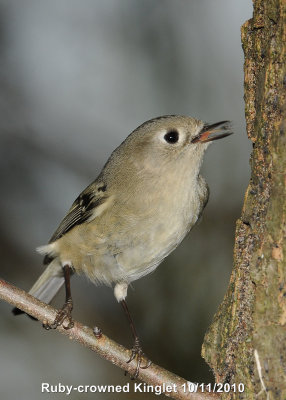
(172, 136)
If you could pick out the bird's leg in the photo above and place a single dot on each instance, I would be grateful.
(136, 350)
(65, 312)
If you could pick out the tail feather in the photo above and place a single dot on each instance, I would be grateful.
(48, 284)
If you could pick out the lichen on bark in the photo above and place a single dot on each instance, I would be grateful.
(247, 339)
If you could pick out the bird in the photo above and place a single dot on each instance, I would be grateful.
(143, 203)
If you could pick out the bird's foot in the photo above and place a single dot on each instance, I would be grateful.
(63, 314)
(137, 352)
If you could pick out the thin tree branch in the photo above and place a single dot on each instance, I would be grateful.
(105, 347)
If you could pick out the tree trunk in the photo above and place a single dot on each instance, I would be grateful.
(247, 340)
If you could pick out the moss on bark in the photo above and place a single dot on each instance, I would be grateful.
(249, 330)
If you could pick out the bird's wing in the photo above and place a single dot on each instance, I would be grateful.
(83, 209)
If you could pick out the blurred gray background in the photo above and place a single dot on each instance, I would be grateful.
(76, 78)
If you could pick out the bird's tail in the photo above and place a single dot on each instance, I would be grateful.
(48, 284)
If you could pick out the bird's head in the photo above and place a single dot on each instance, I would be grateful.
(172, 141)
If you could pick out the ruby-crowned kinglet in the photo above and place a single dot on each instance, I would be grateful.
(141, 206)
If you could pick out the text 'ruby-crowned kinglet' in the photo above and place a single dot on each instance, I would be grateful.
(141, 206)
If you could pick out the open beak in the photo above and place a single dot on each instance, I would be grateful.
(212, 132)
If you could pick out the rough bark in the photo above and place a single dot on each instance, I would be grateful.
(247, 340)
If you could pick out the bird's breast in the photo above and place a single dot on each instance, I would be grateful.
(131, 238)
